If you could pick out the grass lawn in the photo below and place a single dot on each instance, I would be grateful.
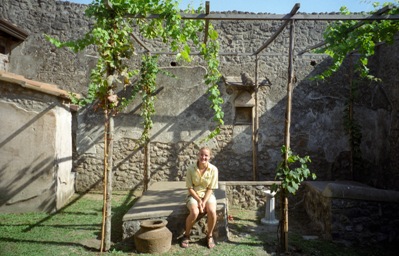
(75, 230)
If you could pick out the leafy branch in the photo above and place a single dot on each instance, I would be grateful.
(149, 71)
(115, 22)
(210, 52)
(292, 172)
(352, 127)
(341, 40)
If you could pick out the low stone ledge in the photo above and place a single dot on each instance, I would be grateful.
(166, 200)
(248, 195)
(353, 213)
(247, 183)
(353, 190)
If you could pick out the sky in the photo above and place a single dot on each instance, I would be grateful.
(276, 6)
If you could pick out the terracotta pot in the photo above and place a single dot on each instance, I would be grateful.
(153, 237)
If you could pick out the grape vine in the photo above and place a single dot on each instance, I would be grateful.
(341, 40)
(115, 23)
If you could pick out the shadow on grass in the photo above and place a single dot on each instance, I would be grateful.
(30, 227)
(118, 211)
(120, 244)
(249, 231)
(12, 240)
(66, 226)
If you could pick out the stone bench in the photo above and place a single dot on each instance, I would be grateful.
(166, 200)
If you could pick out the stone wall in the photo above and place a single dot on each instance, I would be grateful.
(383, 101)
(353, 213)
(317, 124)
(247, 194)
(36, 148)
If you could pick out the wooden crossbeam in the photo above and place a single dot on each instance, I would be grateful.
(279, 30)
(293, 15)
(207, 11)
(237, 54)
(254, 16)
(140, 42)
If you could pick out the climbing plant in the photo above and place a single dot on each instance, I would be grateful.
(292, 172)
(116, 22)
(342, 39)
(113, 35)
(353, 127)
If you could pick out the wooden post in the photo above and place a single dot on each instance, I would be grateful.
(255, 127)
(108, 166)
(207, 11)
(350, 110)
(146, 166)
(107, 177)
(108, 218)
(284, 230)
(285, 223)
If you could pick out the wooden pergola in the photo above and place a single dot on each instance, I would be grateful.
(287, 19)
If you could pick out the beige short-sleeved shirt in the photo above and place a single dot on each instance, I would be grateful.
(209, 180)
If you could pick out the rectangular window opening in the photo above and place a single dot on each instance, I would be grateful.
(243, 116)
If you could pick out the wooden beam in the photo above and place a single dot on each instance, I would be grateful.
(14, 31)
(309, 48)
(238, 54)
(284, 196)
(279, 30)
(138, 40)
(255, 127)
(254, 16)
(207, 11)
(295, 9)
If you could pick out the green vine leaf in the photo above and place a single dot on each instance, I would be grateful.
(289, 176)
(341, 40)
(111, 34)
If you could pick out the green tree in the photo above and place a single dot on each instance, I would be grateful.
(115, 22)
